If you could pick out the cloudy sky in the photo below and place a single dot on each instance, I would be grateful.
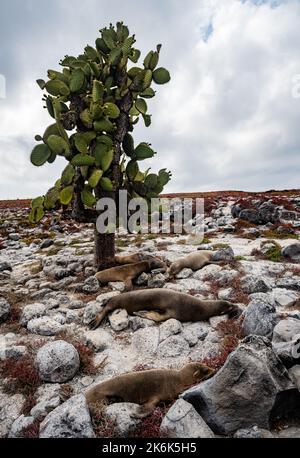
(229, 118)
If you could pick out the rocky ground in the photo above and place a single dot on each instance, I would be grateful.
(49, 357)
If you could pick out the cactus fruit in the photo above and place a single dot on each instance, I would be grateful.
(100, 100)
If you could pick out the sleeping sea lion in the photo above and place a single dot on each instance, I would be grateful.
(162, 304)
(149, 387)
(194, 261)
(127, 272)
(138, 257)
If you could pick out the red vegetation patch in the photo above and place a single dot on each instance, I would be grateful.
(22, 374)
(228, 344)
(103, 427)
(230, 327)
(28, 404)
(150, 426)
(231, 331)
(237, 296)
(32, 431)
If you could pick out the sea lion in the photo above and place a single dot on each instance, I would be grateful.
(138, 257)
(162, 304)
(127, 272)
(148, 387)
(194, 261)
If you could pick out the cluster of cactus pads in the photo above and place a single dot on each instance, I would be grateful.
(99, 100)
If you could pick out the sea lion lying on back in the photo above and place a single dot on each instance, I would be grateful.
(162, 304)
(148, 388)
(194, 261)
(127, 272)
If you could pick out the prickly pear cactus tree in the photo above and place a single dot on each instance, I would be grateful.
(95, 101)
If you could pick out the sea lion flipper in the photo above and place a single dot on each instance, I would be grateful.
(95, 322)
(145, 409)
(152, 315)
(128, 284)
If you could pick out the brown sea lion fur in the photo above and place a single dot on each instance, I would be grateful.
(163, 304)
(194, 261)
(138, 257)
(127, 272)
(149, 387)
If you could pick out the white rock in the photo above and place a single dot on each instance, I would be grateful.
(286, 330)
(172, 347)
(18, 425)
(169, 328)
(98, 339)
(182, 421)
(119, 320)
(184, 273)
(57, 361)
(120, 415)
(284, 297)
(10, 410)
(32, 311)
(42, 409)
(44, 326)
(117, 286)
(69, 420)
(146, 340)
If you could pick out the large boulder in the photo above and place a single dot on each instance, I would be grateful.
(57, 361)
(254, 284)
(69, 420)
(183, 421)
(246, 391)
(259, 318)
(224, 254)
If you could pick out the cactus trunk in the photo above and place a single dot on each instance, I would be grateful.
(104, 250)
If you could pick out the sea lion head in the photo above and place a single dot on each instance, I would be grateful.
(197, 372)
(156, 263)
(230, 309)
(174, 269)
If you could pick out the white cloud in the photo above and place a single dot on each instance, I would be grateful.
(226, 120)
